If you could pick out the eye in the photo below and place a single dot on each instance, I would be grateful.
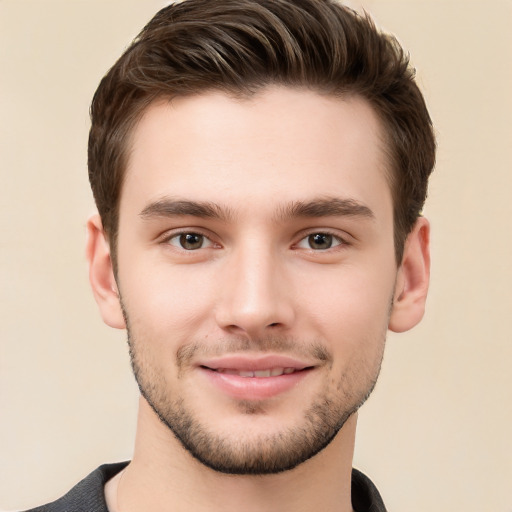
(319, 241)
(190, 241)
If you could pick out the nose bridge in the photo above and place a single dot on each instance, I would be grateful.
(254, 297)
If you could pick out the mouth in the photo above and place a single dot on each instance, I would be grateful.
(260, 374)
(255, 378)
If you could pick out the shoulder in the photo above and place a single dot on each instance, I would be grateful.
(86, 496)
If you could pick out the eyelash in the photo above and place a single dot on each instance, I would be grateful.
(166, 240)
(337, 239)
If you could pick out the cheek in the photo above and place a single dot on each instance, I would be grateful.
(166, 301)
(351, 314)
(349, 298)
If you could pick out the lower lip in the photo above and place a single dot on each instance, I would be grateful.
(254, 388)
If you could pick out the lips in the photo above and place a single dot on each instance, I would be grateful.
(273, 372)
(258, 378)
(247, 363)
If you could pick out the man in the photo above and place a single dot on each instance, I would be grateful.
(259, 169)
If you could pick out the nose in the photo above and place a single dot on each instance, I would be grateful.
(255, 298)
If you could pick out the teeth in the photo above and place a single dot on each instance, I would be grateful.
(262, 373)
(271, 372)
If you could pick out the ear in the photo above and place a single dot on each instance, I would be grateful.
(101, 274)
(412, 279)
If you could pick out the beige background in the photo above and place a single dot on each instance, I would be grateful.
(436, 434)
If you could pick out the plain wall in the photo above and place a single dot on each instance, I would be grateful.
(436, 433)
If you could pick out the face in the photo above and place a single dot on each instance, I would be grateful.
(256, 271)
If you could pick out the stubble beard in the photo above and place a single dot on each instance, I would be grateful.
(270, 453)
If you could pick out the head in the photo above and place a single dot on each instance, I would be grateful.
(259, 168)
(242, 46)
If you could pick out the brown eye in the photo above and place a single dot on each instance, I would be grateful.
(189, 241)
(320, 241)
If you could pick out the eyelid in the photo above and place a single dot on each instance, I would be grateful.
(166, 237)
(342, 240)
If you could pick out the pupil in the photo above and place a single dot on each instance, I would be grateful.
(191, 241)
(320, 241)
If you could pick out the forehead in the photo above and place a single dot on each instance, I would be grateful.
(282, 144)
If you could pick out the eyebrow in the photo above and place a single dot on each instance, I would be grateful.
(169, 207)
(320, 207)
(325, 207)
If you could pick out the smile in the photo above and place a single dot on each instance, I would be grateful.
(271, 372)
(245, 378)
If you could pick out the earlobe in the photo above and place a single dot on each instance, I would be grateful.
(101, 274)
(412, 280)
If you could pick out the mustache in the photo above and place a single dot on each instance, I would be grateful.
(238, 345)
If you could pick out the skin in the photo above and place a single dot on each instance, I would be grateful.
(280, 168)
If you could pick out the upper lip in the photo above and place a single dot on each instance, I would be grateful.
(255, 363)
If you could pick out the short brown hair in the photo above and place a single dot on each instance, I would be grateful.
(241, 46)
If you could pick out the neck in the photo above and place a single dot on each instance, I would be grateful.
(163, 476)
